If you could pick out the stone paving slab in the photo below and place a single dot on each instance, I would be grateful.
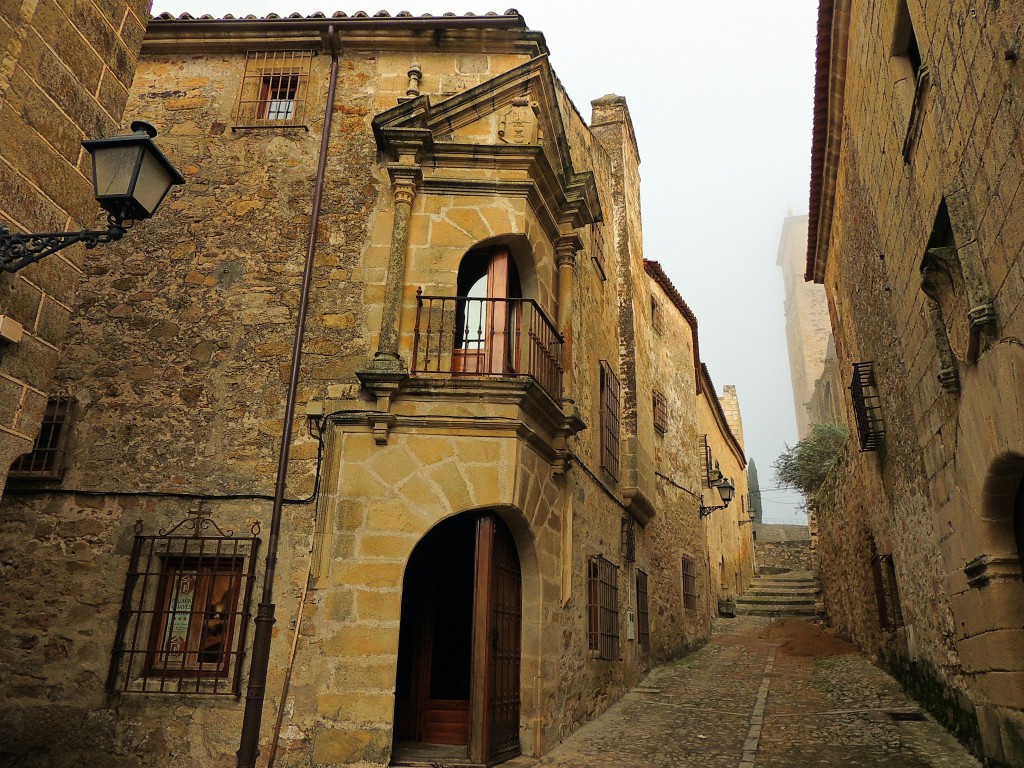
(762, 694)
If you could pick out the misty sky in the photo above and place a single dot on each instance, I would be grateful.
(721, 100)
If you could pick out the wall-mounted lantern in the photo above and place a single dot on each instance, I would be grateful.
(131, 177)
(725, 490)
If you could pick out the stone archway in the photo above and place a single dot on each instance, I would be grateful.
(458, 678)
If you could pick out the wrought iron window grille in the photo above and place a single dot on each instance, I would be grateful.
(609, 421)
(867, 407)
(689, 583)
(660, 405)
(275, 90)
(628, 539)
(46, 459)
(185, 610)
(603, 608)
(643, 618)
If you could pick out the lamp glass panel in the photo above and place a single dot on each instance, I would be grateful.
(154, 181)
(113, 168)
(726, 489)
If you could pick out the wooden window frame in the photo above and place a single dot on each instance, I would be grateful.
(609, 420)
(643, 615)
(603, 608)
(660, 407)
(185, 610)
(689, 582)
(46, 460)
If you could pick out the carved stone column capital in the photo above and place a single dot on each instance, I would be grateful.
(566, 248)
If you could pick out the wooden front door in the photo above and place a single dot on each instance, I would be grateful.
(459, 644)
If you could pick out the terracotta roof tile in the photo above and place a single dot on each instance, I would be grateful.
(166, 16)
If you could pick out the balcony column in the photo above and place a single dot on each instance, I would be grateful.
(384, 374)
(565, 256)
(404, 180)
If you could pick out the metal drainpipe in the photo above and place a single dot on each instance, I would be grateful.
(248, 749)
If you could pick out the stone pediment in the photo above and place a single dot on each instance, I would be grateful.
(511, 123)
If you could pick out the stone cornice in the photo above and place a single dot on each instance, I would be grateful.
(558, 193)
(485, 34)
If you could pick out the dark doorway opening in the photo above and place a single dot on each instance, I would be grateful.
(457, 681)
(1018, 524)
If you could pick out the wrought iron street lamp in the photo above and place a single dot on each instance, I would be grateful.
(131, 177)
(726, 490)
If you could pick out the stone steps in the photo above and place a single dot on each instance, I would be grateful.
(780, 595)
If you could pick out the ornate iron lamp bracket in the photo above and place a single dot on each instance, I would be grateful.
(20, 250)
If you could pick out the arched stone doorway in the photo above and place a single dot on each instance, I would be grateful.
(457, 692)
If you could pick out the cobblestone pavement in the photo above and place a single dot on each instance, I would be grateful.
(779, 694)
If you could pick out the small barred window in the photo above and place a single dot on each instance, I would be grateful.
(689, 583)
(46, 459)
(274, 90)
(643, 616)
(603, 608)
(660, 412)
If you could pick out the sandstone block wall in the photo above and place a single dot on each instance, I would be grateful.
(939, 496)
(65, 72)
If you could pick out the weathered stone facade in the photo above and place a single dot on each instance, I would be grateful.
(451, 146)
(730, 540)
(916, 234)
(65, 71)
(807, 324)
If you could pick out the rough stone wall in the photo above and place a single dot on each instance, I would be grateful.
(65, 71)
(929, 499)
(783, 555)
(885, 496)
(677, 530)
(807, 321)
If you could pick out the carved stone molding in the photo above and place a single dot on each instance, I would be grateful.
(985, 569)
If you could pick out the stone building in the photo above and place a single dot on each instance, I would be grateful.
(52, 96)
(916, 232)
(807, 324)
(730, 540)
(491, 527)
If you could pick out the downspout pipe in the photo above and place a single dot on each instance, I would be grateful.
(248, 749)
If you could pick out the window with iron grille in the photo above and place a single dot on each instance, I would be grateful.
(887, 595)
(609, 421)
(643, 618)
(185, 610)
(660, 412)
(628, 539)
(656, 316)
(597, 246)
(46, 459)
(603, 608)
(274, 90)
(867, 406)
(689, 583)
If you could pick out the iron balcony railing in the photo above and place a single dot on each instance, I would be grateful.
(468, 336)
(867, 406)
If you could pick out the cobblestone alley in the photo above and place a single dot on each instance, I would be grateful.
(770, 694)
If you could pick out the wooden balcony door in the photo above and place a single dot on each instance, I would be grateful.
(457, 691)
(486, 343)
